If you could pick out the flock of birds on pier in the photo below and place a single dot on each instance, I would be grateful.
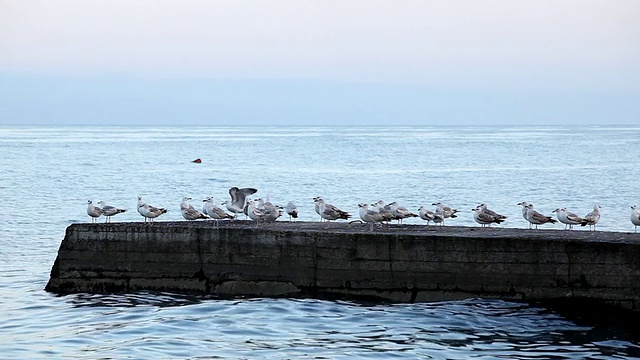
(261, 210)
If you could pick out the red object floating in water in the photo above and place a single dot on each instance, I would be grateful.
(198, 161)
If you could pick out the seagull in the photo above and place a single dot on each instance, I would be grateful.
(291, 210)
(254, 213)
(592, 218)
(109, 211)
(369, 216)
(438, 218)
(400, 212)
(525, 208)
(567, 218)
(426, 214)
(93, 211)
(384, 210)
(271, 212)
(635, 217)
(238, 199)
(330, 212)
(214, 212)
(148, 211)
(537, 218)
(489, 212)
(445, 211)
(189, 212)
(485, 218)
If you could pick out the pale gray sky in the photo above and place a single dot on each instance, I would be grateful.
(319, 62)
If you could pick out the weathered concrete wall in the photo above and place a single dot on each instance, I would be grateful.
(398, 263)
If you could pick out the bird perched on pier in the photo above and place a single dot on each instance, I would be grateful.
(189, 212)
(330, 212)
(238, 199)
(384, 210)
(93, 211)
(486, 218)
(592, 218)
(429, 215)
(567, 218)
(536, 218)
(291, 210)
(271, 212)
(254, 212)
(213, 211)
(149, 212)
(400, 212)
(525, 208)
(483, 207)
(369, 216)
(635, 217)
(109, 211)
(445, 211)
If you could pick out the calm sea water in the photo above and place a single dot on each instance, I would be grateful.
(47, 175)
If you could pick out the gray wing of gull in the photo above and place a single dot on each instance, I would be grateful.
(154, 209)
(238, 195)
(539, 217)
(494, 214)
(330, 209)
(573, 217)
(484, 217)
(376, 216)
(429, 215)
(221, 214)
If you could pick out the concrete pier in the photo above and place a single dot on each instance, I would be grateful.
(403, 263)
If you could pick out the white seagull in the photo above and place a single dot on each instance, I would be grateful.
(254, 213)
(567, 218)
(525, 208)
(214, 212)
(384, 210)
(109, 211)
(445, 211)
(148, 211)
(93, 211)
(400, 212)
(427, 215)
(369, 216)
(592, 218)
(635, 217)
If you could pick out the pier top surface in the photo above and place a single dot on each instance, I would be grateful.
(385, 229)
